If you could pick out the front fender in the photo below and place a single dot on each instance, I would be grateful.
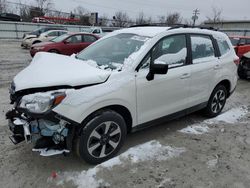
(79, 113)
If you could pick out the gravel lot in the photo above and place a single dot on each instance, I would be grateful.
(218, 158)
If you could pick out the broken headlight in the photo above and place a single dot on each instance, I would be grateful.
(41, 102)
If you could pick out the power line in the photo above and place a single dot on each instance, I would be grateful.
(195, 17)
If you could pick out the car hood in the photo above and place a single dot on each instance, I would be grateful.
(48, 70)
(43, 44)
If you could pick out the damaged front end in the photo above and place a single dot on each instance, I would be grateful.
(33, 120)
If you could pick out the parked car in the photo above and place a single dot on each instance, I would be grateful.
(244, 66)
(44, 37)
(41, 20)
(10, 17)
(41, 30)
(130, 79)
(66, 44)
(241, 44)
(242, 47)
(97, 31)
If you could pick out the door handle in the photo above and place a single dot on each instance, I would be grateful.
(216, 67)
(185, 75)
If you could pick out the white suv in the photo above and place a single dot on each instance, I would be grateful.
(129, 79)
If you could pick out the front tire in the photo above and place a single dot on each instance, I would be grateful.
(216, 101)
(102, 137)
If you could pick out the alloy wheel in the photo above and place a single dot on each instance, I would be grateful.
(104, 139)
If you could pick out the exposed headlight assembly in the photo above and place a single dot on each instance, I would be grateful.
(41, 102)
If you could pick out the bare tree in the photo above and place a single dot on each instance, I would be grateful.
(3, 6)
(142, 19)
(44, 5)
(121, 19)
(174, 18)
(216, 15)
(170, 19)
(83, 14)
(103, 20)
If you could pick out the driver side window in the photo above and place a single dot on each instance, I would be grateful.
(169, 50)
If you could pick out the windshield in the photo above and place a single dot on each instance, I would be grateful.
(113, 50)
(235, 41)
(60, 38)
(38, 31)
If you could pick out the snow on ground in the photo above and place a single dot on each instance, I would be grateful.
(195, 129)
(149, 151)
(230, 117)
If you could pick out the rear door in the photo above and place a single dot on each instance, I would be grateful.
(204, 68)
(87, 40)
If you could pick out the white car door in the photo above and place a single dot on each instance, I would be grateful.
(204, 69)
(166, 93)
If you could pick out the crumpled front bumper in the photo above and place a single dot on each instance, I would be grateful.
(47, 135)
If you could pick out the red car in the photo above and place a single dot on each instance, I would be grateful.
(241, 44)
(65, 44)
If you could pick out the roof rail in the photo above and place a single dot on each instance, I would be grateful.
(188, 26)
(174, 26)
(150, 25)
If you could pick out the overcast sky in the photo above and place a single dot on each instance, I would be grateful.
(231, 9)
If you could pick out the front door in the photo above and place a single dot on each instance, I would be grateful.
(168, 93)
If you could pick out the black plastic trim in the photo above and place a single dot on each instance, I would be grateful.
(169, 117)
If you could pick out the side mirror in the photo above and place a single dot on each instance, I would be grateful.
(157, 67)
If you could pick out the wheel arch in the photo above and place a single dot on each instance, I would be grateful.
(36, 41)
(54, 49)
(120, 109)
(227, 85)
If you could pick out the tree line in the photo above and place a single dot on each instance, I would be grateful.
(120, 19)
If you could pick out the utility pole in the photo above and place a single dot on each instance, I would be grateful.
(195, 17)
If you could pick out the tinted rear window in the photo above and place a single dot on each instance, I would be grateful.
(223, 46)
(234, 41)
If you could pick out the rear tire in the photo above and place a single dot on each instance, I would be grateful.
(102, 137)
(216, 101)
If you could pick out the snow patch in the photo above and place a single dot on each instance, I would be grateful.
(149, 151)
(49, 152)
(231, 116)
(152, 150)
(195, 129)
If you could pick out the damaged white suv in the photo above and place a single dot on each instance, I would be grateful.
(129, 79)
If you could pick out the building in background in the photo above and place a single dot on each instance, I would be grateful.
(232, 27)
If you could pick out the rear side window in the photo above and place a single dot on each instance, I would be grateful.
(54, 33)
(89, 38)
(202, 48)
(223, 47)
(247, 41)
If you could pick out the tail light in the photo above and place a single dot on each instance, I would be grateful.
(237, 61)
